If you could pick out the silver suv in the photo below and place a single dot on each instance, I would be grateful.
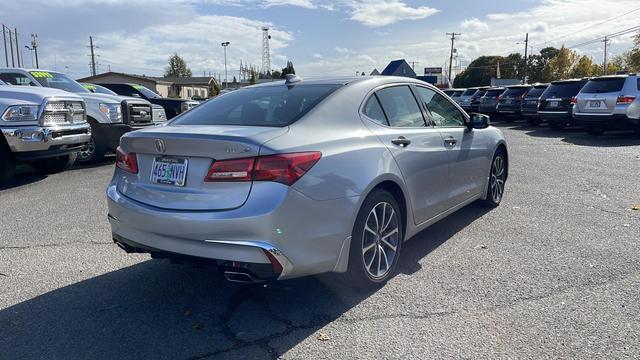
(609, 102)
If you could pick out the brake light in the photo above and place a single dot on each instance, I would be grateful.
(282, 168)
(574, 100)
(499, 97)
(624, 99)
(126, 161)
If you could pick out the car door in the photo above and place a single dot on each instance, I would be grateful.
(467, 148)
(417, 148)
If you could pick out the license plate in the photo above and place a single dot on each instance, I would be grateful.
(169, 171)
(508, 101)
(595, 104)
(553, 103)
(531, 102)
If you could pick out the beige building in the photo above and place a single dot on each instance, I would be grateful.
(186, 88)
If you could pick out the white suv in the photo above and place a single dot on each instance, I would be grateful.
(609, 102)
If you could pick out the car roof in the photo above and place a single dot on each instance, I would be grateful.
(525, 86)
(567, 81)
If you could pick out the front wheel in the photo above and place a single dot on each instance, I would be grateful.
(376, 241)
(54, 165)
(497, 179)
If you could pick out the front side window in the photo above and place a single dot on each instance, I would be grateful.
(400, 107)
(442, 111)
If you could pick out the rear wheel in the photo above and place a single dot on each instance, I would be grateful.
(376, 241)
(53, 165)
(7, 164)
(497, 179)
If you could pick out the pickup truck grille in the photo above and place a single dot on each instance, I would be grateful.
(139, 114)
(64, 113)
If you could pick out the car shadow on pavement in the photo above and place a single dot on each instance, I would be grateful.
(159, 310)
(25, 175)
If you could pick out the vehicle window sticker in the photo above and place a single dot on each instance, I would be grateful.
(41, 74)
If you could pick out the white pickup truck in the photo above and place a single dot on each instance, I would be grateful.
(109, 116)
(41, 126)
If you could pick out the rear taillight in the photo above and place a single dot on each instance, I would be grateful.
(282, 168)
(126, 161)
(624, 99)
(574, 100)
(499, 97)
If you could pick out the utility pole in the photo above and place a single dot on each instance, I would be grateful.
(224, 46)
(93, 57)
(526, 59)
(15, 32)
(413, 65)
(453, 39)
(4, 38)
(13, 64)
(34, 46)
(605, 65)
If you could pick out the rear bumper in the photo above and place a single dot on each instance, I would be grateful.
(607, 121)
(508, 109)
(555, 116)
(529, 111)
(305, 236)
(33, 142)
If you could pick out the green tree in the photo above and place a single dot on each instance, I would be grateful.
(634, 54)
(537, 62)
(481, 70)
(214, 89)
(289, 69)
(583, 68)
(252, 79)
(275, 74)
(177, 67)
(561, 65)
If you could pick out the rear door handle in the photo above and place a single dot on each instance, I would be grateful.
(450, 141)
(401, 141)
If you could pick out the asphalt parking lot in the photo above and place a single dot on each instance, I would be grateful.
(553, 272)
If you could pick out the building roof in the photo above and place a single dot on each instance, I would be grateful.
(395, 65)
(196, 80)
(375, 72)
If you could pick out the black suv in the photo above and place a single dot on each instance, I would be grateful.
(510, 101)
(474, 102)
(555, 102)
(529, 108)
(172, 107)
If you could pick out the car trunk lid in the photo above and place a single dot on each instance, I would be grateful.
(191, 150)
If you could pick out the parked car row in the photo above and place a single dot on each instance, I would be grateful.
(598, 104)
(51, 121)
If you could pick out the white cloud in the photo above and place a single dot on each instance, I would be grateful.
(377, 13)
(474, 25)
(307, 4)
(342, 50)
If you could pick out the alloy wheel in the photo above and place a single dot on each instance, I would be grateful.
(380, 239)
(87, 152)
(498, 175)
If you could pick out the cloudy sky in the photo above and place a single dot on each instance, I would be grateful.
(320, 37)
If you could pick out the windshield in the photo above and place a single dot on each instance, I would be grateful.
(98, 89)
(146, 91)
(261, 106)
(58, 81)
(605, 85)
(536, 92)
(563, 89)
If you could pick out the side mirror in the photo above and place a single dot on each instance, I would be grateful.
(479, 121)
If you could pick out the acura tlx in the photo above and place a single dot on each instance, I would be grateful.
(304, 176)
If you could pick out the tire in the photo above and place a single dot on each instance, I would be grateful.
(94, 151)
(7, 164)
(595, 131)
(54, 165)
(366, 233)
(497, 179)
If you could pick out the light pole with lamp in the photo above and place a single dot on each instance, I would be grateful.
(226, 80)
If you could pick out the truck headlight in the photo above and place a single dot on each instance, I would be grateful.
(112, 111)
(21, 113)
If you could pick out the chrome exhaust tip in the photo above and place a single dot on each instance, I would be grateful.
(241, 277)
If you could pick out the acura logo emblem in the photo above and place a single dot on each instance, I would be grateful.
(160, 146)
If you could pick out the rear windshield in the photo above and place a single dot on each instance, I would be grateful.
(565, 89)
(515, 91)
(536, 92)
(479, 93)
(457, 93)
(603, 85)
(260, 106)
(494, 93)
(449, 92)
(469, 92)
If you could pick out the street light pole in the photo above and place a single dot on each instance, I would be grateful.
(226, 80)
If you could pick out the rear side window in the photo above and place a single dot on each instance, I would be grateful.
(261, 106)
(374, 111)
(598, 86)
(400, 107)
(564, 89)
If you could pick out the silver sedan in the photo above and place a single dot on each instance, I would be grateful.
(302, 177)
